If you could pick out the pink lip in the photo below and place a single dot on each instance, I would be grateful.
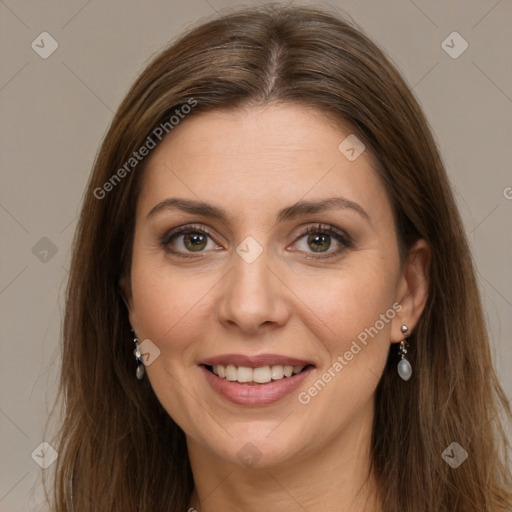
(255, 361)
(255, 394)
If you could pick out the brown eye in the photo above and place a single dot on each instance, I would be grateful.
(319, 240)
(188, 239)
(194, 241)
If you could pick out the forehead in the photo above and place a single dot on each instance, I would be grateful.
(258, 157)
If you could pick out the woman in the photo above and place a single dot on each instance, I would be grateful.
(272, 304)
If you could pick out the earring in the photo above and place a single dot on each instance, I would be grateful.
(140, 370)
(404, 367)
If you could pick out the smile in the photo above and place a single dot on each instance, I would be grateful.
(261, 375)
(255, 380)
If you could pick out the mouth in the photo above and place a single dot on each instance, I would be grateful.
(256, 376)
(257, 380)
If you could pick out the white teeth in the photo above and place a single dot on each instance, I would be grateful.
(261, 375)
(277, 372)
(244, 374)
(231, 372)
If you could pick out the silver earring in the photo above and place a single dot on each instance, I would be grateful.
(404, 367)
(140, 370)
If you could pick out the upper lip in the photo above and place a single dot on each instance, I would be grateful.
(256, 361)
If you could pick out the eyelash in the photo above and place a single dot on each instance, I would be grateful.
(324, 229)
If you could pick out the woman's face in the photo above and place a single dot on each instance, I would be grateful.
(250, 288)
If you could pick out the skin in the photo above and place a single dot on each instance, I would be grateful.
(288, 301)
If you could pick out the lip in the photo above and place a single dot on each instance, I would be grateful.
(255, 361)
(255, 394)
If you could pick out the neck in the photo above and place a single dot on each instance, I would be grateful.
(337, 477)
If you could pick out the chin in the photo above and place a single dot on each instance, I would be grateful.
(259, 450)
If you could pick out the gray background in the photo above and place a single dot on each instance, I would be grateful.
(55, 112)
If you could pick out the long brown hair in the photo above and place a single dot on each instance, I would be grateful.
(118, 448)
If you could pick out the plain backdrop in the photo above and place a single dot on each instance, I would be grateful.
(56, 110)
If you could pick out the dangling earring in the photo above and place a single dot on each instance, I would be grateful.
(404, 367)
(140, 370)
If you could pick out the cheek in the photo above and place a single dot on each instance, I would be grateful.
(357, 309)
(152, 300)
(168, 302)
(353, 302)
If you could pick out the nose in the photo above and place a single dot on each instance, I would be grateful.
(254, 296)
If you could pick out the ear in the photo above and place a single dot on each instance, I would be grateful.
(412, 289)
(125, 290)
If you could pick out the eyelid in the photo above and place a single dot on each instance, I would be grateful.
(187, 228)
(327, 229)
(341, 236)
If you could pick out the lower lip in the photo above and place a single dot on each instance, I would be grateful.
(255, 394)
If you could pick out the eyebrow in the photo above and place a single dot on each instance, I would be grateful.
(289, 213)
